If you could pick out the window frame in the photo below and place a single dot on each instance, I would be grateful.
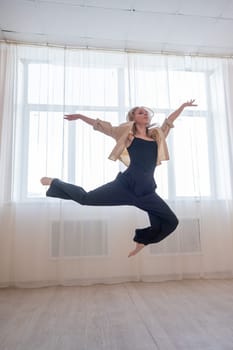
(121, 109)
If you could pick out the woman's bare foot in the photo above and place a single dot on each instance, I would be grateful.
(139, 246)
(46, 181)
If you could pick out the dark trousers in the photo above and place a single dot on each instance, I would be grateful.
(163, 221)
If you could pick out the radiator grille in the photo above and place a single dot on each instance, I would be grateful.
(78, 238)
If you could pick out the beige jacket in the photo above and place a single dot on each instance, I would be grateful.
(122, 135)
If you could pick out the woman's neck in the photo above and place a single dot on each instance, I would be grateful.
(141, 130)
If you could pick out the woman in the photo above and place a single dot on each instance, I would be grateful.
(141, 148)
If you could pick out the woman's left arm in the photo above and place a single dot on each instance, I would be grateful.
(168, 122)
(172, 117)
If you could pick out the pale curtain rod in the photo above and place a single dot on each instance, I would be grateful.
(86, 47)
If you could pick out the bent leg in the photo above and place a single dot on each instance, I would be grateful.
(112, 193)
(162, 219)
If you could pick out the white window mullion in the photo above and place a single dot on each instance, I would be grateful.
(71, 149)
(24, 141)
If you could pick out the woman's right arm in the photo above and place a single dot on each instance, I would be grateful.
(87, 120)
(97, 124)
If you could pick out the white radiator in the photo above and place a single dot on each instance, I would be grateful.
(185, 239)
(78, 238)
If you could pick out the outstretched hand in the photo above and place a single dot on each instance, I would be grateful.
(72, 116)
(82, 117)
(190, 103)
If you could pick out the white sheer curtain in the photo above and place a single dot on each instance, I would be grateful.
(48, 241)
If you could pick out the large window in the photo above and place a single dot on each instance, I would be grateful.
(73, 151)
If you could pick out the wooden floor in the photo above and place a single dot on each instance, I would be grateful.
(189, 315)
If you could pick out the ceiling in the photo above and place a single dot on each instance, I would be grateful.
(184, 26)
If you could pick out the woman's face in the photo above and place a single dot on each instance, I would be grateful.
(141, 116)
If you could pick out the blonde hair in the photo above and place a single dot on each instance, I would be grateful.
(130, 117)
(130, 114)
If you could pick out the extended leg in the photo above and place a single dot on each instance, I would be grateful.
(112, 193)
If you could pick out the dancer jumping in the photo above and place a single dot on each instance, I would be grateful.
(140, 147)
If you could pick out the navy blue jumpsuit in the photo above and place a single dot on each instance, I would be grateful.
(135, 186)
